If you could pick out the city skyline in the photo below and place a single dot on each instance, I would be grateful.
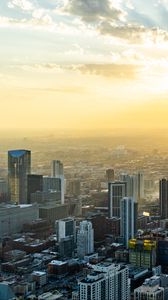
(82, 64)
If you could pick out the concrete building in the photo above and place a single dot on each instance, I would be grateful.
(142, 253)
(66, 236)
(57, 171)
(150, 290)
(117, 190)
(39, 277)
(107, 281)
(34, 184)
(43, 197)
(85, 239)
(132, 185)
(110, 175)
(12, 217)
(52, 212)
(74, 187)
(3, 190)
(140, 179)
(163, 196)
(19, 166)
(128, 212)
(65, 228)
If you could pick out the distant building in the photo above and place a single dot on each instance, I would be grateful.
(74, 187)
(19, 166)
(65, 228)
(163, 196)
(34, 184)
(51, 184)
(53, 212)
(85, 239)
(107, 281)
(128, 211)
(43, 197)
(149, 290)
(12, 217)
(57, 171)
(3, 190)
(132, 185)
(110, 175)
(140, 178)
(39, 277)
(117, 190)
(66, 236)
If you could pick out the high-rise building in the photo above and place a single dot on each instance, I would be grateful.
(110, 175)
(19, 166)
(57, 170)
(66, 236)
(74, 187)
(65, 228)
(140, 179)
(85, 239)
(34, 184)
(132, 185)
(116, 191)
(51, 184)
(142, 253)
(149, 290)
(128, 213)
(163, 196)
(108, 281)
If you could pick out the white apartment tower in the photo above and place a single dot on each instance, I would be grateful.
(107, 282)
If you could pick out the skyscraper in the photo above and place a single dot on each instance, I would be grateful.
(19, 166)
(65, 228)
(132, 185)
(34, 184)
(85, 239)
(163, 196)
(140, 178)
(116, 191)
(128, 213)
(57, 171)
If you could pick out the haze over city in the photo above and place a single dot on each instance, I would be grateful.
(83, 64)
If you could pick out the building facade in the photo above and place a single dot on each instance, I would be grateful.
(107, 282)
(19, 166)
(57, 171)
(85, 239)
(163, 197)
(116, 191)
(128, 220)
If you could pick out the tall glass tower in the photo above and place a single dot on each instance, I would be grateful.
(19, 166)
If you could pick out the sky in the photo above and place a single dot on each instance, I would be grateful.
(83, 64)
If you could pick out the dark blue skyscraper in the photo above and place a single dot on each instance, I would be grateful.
(19, 166)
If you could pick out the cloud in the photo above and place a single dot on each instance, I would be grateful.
(25, 5)
(133, 33)
(124, 71)
(118, 71)
(92, 11)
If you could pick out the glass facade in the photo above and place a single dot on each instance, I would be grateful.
(19, 166)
